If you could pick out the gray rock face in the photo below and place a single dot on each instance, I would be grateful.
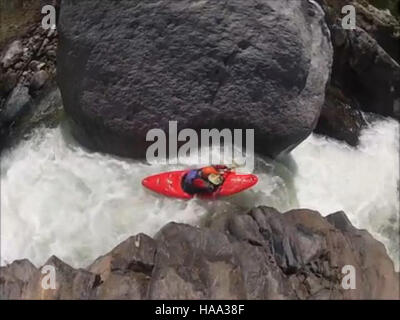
(260, 255)
(376, 76)
(20, 61)
(366, 60)
(11, 54)
(16, 104)
(39, 79)
(260, 65)
(15, 277)
(339, 120)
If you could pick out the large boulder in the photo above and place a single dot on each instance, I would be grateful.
(129, 66)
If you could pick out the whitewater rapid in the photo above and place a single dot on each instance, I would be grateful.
(59, 199)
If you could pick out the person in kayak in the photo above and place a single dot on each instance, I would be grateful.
(204, 180)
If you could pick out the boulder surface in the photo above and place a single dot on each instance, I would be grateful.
(130, 66)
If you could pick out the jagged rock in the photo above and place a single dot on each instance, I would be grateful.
(18, 70)
(380, 24)
(45, 109)
(135, 254)
(195, 264)
(17, 103)
(370, 75)
(125, 271)
(340, 221)
(39, 79)
(8, 81)
(11, 54)
(14, 278)
(242, 64)
(70, 283)
(19, 65)
(33, 65)
(260, 255)
(52, 53)
(339, 120)
(365, 66)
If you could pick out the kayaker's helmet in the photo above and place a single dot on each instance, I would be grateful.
(207, 171)
(215, 179)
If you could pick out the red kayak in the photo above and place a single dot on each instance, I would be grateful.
(170, 184)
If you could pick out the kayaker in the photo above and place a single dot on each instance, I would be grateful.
(204, 180)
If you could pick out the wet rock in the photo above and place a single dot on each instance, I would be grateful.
(195, 264)
(42, 48)
(122, 286)
(339, 120)
(203, 64)
(19, 65)
(340, 221)
(135, 254)
(70, 283)
(370, 75)
(125, 271)
(39, 79)
(45, 109)
(263, 254)
(8, 81)
(33, 65)
(380, 24)
(52, 53)
(366, 61)
(22, 23)
(14, 278)
(11, 54)
(276, 232)
(41, 65)
(244, 228)
(17, 103)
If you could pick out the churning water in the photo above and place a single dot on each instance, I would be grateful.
(57, 198)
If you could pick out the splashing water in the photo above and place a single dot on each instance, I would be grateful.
(58, 198)
(363, 181)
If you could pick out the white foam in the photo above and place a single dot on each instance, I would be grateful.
(57, 198)
(361, 181)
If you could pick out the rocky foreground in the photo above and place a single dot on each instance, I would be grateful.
(259, 255)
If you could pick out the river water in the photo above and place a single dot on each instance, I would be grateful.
(58, 198)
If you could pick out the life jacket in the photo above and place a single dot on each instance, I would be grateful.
(188, 181)
(191, 175)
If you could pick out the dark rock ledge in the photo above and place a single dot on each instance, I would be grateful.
(259, 255)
